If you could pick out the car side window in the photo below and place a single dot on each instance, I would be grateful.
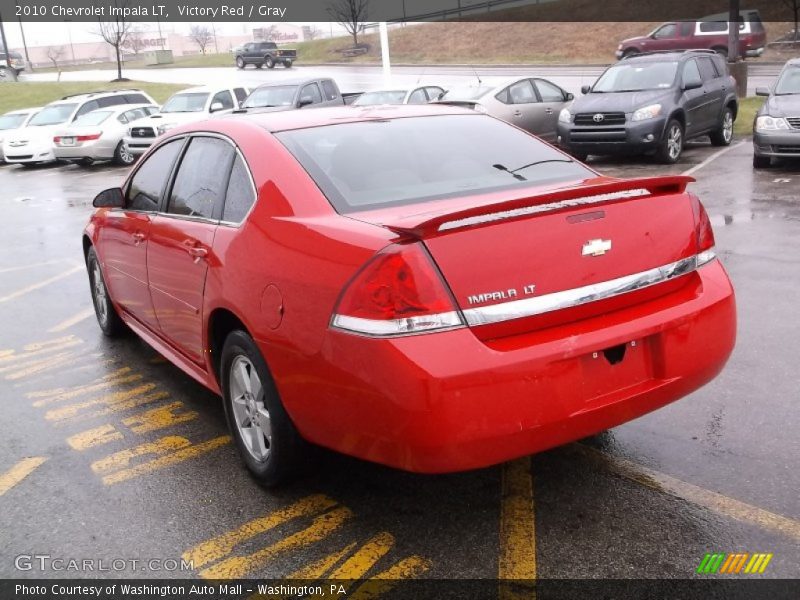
(691, 74)
(418, 97)
(248, 47)
(136, 99)
(311, 92)
(329, 89)
(686, 29)
(240, 93)
(549, 92)
(123, 118)
(434, 92)
(666, 31)
(240, 195)
(148, 182)
(199, 186)
(87, 108)
(707, 69)
(224, 98)
(522, 92)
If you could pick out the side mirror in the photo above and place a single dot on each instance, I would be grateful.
(570, 96)
(762, 91)
(216, 106)
(586, 89)
(110, 198)
(305, 101)
(692, 84)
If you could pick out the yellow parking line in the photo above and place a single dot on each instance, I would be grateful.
(517, 562)
(72, 410)
(408, 568)
(167, 460)
(73, 320)
(41, 284)
(239, 566)
(94, 437)
(19, 472)
(220, 546)
(119, 377)
(363, 560)
(39, 348)
(159, 418)
(43, 364)
(729, 507)
(113, 407)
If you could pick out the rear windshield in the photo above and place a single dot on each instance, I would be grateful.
(93, 118)
(374, 164)
(383, 97)
(789, 83)
(277, 95)
(53, 115)
(12, 121)
(635, 77)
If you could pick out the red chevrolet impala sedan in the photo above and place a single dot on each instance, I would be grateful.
(420, 286)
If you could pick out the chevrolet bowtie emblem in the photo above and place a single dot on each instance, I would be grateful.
(596, 247)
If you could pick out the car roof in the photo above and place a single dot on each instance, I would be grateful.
(208, 89)
(23, 111)
(663, 56)
(320, 117)
(291, 81)
(121, 108)
(92, 95)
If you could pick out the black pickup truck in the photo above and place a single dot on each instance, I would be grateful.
(264, 53)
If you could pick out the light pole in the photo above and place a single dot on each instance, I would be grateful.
(24, 43)
(69, 34)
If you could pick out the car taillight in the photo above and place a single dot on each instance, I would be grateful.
(705, 235)
(398, 292)
(57, 139)
(88, 138)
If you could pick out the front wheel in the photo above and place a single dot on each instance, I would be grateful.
(268, 60)
(123, 156)
(107, 317)
(671, 145)
(630, 52)
(239, 62)
(266, 438)
(724, 134)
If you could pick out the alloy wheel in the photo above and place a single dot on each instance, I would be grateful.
(674, 142)
(727, 126)
(249, 409)
(99, 293)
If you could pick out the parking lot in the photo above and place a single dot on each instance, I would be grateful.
(109, 451)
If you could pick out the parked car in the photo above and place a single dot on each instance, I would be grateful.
(414, 95)
(417, 286)
(11, 65)
(776, 129)
(651, 104)
(34, 144)
(186, 106)
(709, 33)
(264, 54)
(291, 94)
(13, 121)
(531, 103)
(98, 135)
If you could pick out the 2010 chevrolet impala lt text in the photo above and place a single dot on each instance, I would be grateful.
(421, 286)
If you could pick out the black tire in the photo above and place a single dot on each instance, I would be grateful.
(259, 65)
(240, 63)
(287, 64)
(86, 162)
(270, 62)
(107, 317)
(723, 136)
(579, 156)
(123, 156)
(630, 52)
(671, 145)
(761, 162)
(284, 447)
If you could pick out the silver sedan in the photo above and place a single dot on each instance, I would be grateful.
(98, 135)
(530, 103)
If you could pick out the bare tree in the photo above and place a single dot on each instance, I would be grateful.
(351, 14)
(202, 36)
(54, 54)
(115, 32)
(794, 6)
(135, 42)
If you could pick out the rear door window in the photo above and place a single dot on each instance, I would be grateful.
(200, 184)
(240, 195)
(147, 185)
(691, 74)
(224, 98)
(329, 89)
(548, 91)
(522, 92)
(311, 92)
(87, 107)
(240, 93)
(418, 97)
(707, 69)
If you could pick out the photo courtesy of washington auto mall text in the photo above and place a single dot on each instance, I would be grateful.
(399, 299)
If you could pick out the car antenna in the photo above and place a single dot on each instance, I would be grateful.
(478, 77)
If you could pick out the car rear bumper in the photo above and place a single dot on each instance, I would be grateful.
(628, 138)
(96, 150)
(448, 401)
(779, 143)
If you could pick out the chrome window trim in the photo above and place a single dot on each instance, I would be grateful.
(529, 307)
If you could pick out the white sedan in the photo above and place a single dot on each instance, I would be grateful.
(97, 135)
(13, 121)
(415, 95)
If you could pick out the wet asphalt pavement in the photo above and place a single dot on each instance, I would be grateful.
(125, 456)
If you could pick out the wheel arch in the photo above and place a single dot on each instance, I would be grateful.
(221, 322)
(87, 243)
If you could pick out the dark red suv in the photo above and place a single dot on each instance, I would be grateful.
(710, 33)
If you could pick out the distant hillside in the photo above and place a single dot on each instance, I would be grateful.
(493, 42)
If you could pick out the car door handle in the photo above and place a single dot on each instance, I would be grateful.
(549, 111)
(138, 238)
(517, 113)
(195, 250)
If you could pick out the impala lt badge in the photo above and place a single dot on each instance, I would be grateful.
(596, 247)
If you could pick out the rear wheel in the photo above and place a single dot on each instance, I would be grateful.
(630, 52)
(107, 317)
(268, 60)
(287, 64)
(239, 62)
(671, 145)
(266, 438)
(259, 65)
(723, 135)
(123, 156)
(761, 162)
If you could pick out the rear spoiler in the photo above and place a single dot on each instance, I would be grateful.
(603, 191)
